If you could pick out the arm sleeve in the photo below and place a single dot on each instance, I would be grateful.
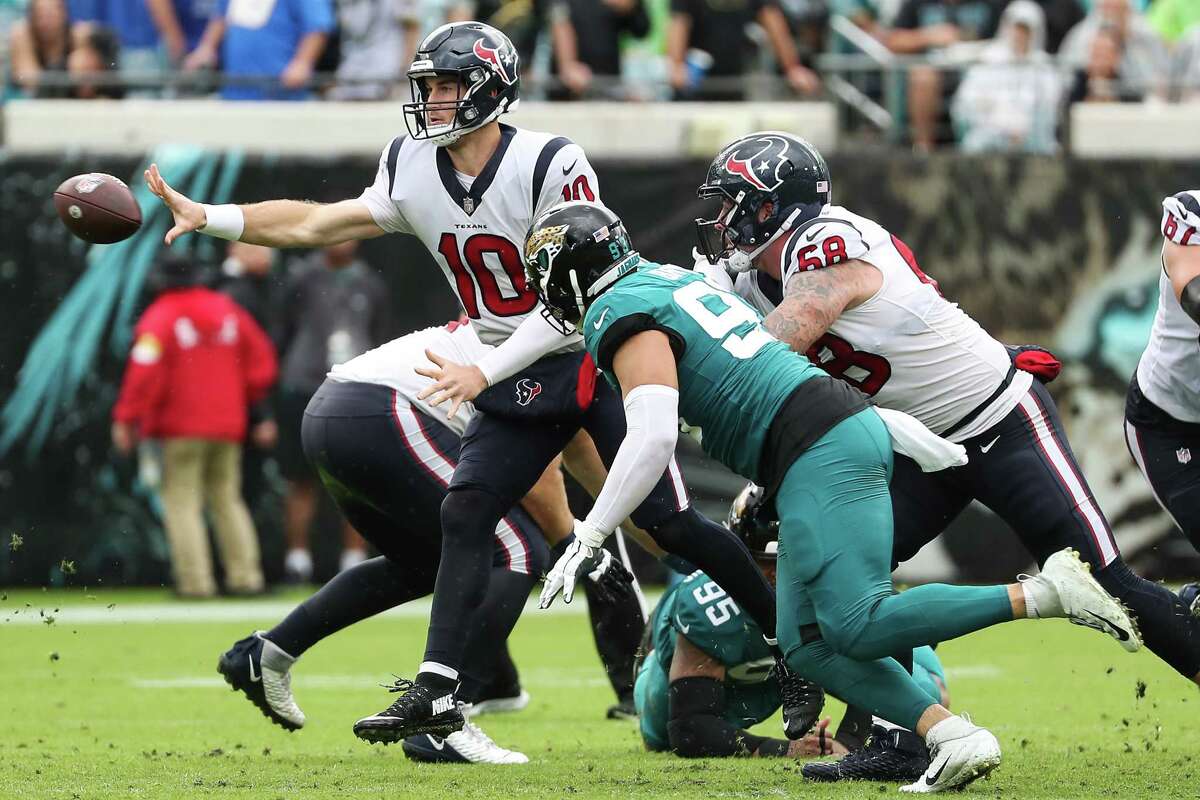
(697, 728)
(651, 429)
(378, 196)
(569, 175)
(259, 365)
(533, 339)
(144, 384)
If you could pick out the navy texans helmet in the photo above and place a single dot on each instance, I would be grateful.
(748, 523)
(487, 67)
(762, 167)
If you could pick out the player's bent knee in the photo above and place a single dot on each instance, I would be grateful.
(467, 512)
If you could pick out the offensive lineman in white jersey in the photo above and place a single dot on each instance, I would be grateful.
(1162, 409)
(469, 188)
(850, 295)
(386, 457)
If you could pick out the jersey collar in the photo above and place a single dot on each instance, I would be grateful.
(469, 201)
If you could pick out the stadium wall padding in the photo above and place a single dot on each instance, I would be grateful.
(1061, 253)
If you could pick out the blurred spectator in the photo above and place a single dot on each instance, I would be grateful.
(706, 39)
(246, 277)
(1010, 100)
(922, 26)
(281, 40)
(335, 308)
(1185, 68)
(521, 20)
(141, 46)
(94, 59)
(1172, 19)
(39, 45)
(378, 39)
(1143, 59)
(198, 361)
(1061, 17)
(1099, 81)
(598, 52)
(180, 24)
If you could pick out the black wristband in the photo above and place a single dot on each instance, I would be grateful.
(1189, 299)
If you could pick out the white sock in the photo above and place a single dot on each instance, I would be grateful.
(1041, 598)
(274, 657)
(350, 557)
(299, 562)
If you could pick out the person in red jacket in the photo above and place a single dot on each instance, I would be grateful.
(198, 362)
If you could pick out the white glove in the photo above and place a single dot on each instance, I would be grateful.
(584, 556)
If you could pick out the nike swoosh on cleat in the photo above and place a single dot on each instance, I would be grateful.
(253, 678)
(1121, 633)
(931, 781)
(437, 743)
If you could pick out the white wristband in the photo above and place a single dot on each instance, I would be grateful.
(224, 221)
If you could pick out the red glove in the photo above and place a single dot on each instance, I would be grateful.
(1037, 361)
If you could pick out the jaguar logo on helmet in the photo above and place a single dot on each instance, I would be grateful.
(496, 57)
(760, 162)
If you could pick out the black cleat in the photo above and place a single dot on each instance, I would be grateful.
(419, 709)
(268, 689)
(802, 701)
(623, 709)
(889, 755)
(1190, 595)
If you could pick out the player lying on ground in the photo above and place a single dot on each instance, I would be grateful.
(707, 677)
(680, 347)
(849, 294)
(469, 188)
(1162, 409)
(386, 457)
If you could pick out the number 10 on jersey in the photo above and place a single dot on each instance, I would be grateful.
(483, 258)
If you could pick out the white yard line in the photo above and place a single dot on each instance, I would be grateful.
(533, 678)
(183, 612)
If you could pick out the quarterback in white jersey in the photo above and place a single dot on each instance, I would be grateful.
(851, 295)
(469, 188)
(1162, 409)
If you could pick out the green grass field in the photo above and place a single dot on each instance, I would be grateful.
(119, 697)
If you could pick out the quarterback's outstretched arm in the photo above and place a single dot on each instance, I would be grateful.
(813, 300)
(274, 223)
(645, 367)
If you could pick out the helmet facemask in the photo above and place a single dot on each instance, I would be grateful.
(473, 108)
(737, 224)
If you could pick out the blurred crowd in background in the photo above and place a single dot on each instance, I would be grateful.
(221, 369)
(984, 74)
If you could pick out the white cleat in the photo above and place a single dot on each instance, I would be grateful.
(501, 705)
(1076, 595)
(959, 753)
(467, 746)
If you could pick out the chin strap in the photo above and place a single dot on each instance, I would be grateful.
(743, 261)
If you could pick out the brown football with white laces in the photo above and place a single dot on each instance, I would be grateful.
(98, 208)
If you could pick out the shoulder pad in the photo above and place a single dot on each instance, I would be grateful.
(822, 242)
(1181, 218)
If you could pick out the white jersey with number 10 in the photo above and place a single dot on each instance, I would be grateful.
(475, 226)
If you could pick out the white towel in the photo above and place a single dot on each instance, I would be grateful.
(911, 438)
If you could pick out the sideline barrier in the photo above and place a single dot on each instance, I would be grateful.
(319, 129)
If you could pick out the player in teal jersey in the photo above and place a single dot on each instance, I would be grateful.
(677, 346)
(708, 676)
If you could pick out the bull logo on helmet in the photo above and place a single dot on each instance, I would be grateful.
(496, 57)
(759, 161)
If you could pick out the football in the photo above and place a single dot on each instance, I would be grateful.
(98, 208)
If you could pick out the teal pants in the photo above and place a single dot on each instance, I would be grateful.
(834, 571)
